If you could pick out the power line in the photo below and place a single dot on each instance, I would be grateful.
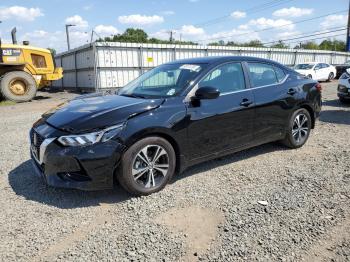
(271, 28)
(311, 39)
(255, 9)
(303, 36)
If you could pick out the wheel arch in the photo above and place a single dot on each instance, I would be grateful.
(311, 112)
(165, 135)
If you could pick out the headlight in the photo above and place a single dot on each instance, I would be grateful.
(91, 138)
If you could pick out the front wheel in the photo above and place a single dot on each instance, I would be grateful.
(18, 86)
(147, 166)
(298, 130)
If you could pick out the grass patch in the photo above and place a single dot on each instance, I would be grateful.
(7, 103)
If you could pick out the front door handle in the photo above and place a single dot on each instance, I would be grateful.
(246, 102)
(291, 91)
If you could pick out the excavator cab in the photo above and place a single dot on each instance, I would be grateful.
(24, 69)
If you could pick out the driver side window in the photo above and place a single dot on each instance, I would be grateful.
(226, 78)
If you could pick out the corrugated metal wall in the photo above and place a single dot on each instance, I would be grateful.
(112, 65)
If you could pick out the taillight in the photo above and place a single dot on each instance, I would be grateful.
(318, 87)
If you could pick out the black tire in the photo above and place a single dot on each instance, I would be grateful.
(343, 100)
(25, 80)
(130, 159)
(330, 76)
(290, 140)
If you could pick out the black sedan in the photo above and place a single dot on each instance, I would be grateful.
(174, 116)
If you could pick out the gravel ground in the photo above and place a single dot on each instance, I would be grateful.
(266, 204)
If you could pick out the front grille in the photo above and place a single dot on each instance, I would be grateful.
(36, 140)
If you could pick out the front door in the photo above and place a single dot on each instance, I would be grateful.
(221, 124)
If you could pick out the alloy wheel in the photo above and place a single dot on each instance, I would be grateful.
(150, 166)
(300, 128)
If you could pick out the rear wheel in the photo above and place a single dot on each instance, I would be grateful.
(330, 76)
(18, 86)
(298, 129)
(147, 166)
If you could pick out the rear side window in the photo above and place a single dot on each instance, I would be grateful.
(280, 74)
(226, 78)
(38, 61)
(262, 74)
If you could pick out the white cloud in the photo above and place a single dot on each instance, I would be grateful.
(293, 12)
(106, 30)
(264, 23)
(20, 13)
(167, 12)
(140, 19)
(56, 40)
(236, 35)
(187, 33)
(286, 35)
(334, 21)
(191, 30)
(78, 21)
(88, 7)
(238, 14)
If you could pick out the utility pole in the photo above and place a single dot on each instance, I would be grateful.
(348, 32)
(171, 32)
(67, 34)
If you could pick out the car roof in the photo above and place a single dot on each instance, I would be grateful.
(313, 63)
(220, 59)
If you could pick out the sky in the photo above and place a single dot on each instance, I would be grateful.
(42, 22)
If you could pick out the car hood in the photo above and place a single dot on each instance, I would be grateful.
(303, 71)
(97, 111)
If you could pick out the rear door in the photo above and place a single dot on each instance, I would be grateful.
(221, 124)
(274, 98)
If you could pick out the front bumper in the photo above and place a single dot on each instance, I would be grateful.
(343, 91)
(85, 168)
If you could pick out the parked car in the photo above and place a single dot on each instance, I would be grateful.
(174, 116)
(317, 71)
(341, 69)
(344, 87)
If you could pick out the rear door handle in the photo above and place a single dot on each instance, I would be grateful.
(291, 91)
(246, 102)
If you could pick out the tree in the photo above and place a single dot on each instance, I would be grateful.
(310, 45)
(335, 45)
(132, 35)
(280, 44)
(53, 51)
(253, 43)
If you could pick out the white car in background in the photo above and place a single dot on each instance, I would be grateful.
(317, 71)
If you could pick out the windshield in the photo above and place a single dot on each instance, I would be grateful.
(304, 66)
(162, 81)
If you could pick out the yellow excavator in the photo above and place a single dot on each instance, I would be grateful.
(24, 69)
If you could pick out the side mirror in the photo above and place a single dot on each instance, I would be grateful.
(207, 92)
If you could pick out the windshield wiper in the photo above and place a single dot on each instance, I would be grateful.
(133, 95)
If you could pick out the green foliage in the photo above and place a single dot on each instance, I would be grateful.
(53, 51)
(280, 44)
(132, 35)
